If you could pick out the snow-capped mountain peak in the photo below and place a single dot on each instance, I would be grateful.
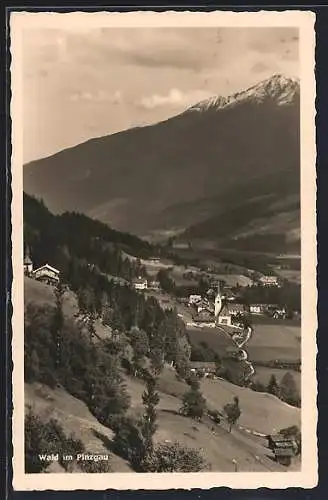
(278, 88)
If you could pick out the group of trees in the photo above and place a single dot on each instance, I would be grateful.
(288, 295)
(195, 405)
(134, 440)
(48, 437)
(286, 390)
(65, 356)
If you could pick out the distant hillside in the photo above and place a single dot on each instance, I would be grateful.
(71, 240)
(264, 223)
(191, 171)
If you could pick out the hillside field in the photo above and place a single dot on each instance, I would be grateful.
(219, 447)
(275, 341)
(262, 413)
(269, 342)
(263, 374)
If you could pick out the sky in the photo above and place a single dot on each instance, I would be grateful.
(89, 83)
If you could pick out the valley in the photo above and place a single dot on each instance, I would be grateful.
(243, 175)
(179, 331)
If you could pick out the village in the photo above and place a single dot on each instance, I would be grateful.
(204, 308)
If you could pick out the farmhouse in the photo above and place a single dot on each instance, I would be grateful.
(229, 312)
(47, 274)
(279, 313)
(155, 285)
(28, 264)
(269, 281)
(284, 448)
(140, 284)
(204, 316)
(257, 308)
(204, 367)
(194, 299)
(235, 308)
(154, 260)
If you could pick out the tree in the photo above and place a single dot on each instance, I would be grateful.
(233, 412)
(46, 437)
(128, 441)
(174, 457)
(182, 366)
(150, 399)
(166, 283)
(194, 404)
(156, 360)
(258, 386)
(288, 390)
(218, 364)
(273, 387)
(91, 327)
(193, 381)
(58, 320)
(140, 344)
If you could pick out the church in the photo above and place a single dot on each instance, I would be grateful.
(226, 312)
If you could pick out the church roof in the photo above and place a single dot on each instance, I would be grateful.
(27, 260)
(232, 308)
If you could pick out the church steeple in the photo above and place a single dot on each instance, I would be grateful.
(218, 303)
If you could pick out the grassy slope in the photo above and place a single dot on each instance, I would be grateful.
(275, 341)
(269, 341)
(40, 293)
(260, 412)
(75, 418)
(263, 374)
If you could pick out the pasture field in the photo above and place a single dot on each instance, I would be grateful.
(275, 341)
(219, 447)
(39, 293)
(216, 338)
(75, 419)
(263, 374)
(262, 413)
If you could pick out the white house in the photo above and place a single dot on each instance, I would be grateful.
(155, 285)
(28, 264)
(256, 308)
(269, 280)
(47, 274)
(194, 299)
(140, 284)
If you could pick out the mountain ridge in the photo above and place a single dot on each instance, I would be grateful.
(277, 86)
(217, 157)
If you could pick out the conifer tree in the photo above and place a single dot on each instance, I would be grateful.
(273, 387)
(58, 320)
(150, 399)
(233, 412)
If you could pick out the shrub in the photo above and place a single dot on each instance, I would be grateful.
(273, 387)
(174, 458)
(45, 438)
(128, 441)
(288, 390)
(194, 404)
(232, 412)
(89, 374)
